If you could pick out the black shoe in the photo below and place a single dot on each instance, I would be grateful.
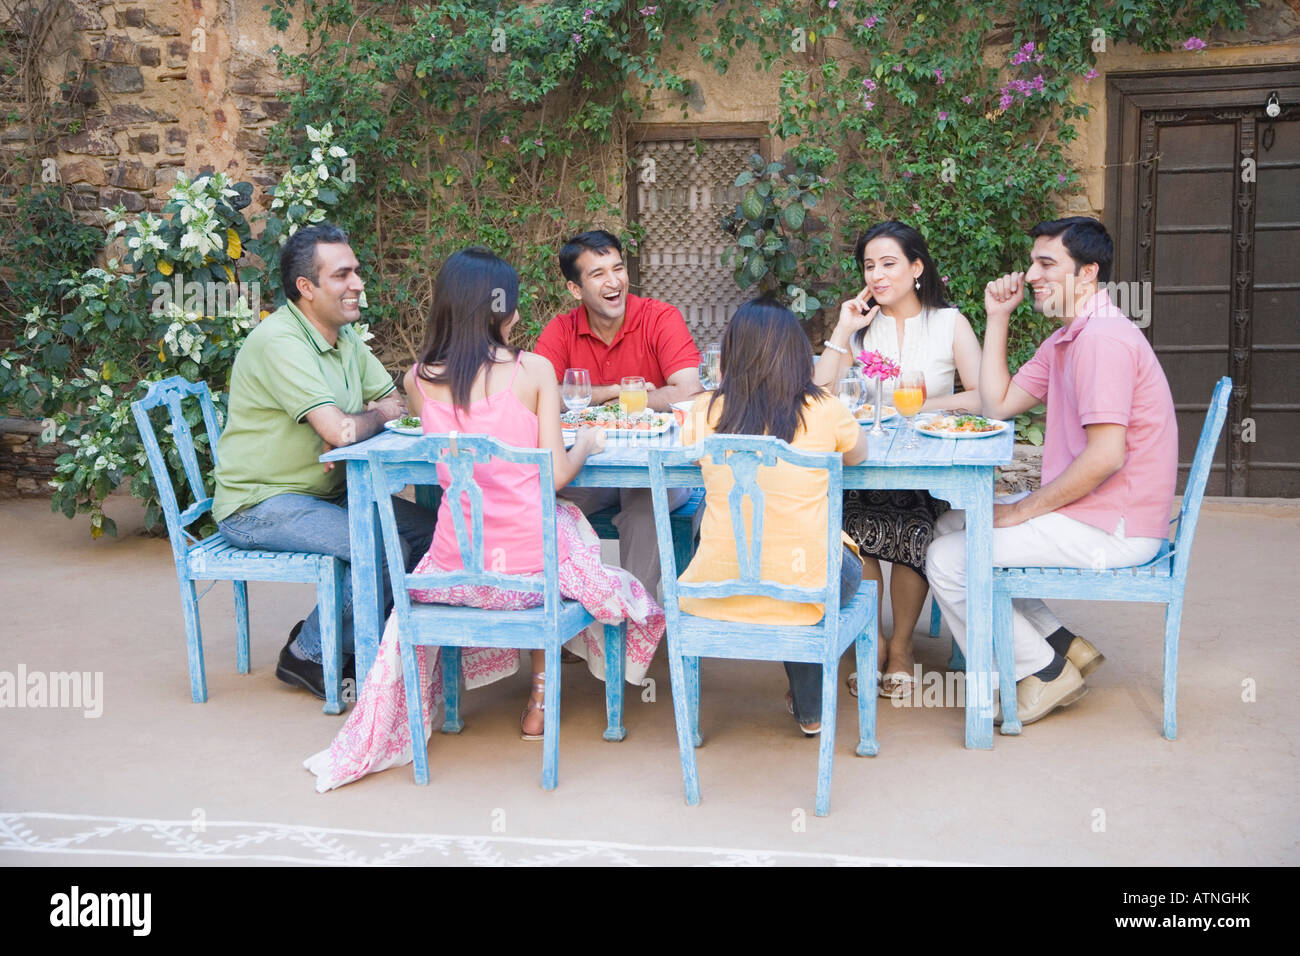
(308, 675)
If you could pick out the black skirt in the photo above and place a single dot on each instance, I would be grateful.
(894, 526)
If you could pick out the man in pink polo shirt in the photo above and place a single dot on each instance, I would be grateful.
(612, 335)
(1110, 456)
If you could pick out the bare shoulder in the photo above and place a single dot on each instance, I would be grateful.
(536, 366)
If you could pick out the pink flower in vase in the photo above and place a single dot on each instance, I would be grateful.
(877, 365)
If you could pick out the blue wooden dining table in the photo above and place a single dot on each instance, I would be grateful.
(959, 471)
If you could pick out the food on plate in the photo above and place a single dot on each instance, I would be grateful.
(610, 420)
(408, 421)
(867, 412)
(968, 424)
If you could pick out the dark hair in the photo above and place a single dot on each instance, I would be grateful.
(474, 295)
(1084, 238)
(767, 369)
(914, 247)
(298, 256)
(597, 240)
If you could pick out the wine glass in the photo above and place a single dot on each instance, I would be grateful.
(849, 390)
(711, 368)
(576, 389)
(909, 396)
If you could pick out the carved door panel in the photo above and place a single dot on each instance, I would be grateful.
(683, 189)
(1204, 202)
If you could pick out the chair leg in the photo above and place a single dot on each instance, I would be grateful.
(329, 595)
(1173, 620)
(194, 642)
(415, 713)
(551, 720)
(956, 659)
(1004, 652)
(614, 644)
(865, 650)
(693, 691)
(936, 616)
(241, 626)
(686, 744)
(826, 744)
(451, 722)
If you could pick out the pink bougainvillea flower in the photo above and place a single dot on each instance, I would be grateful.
(1007, 99)
(1060, 177)
(878, 365)
(938, 76)
(871, 21)
(870, 84)
(868, 104)
(506, 140)
(1194, 43)
(587, 14)
(537, 142)
(833, 4)
(943, 279)
(916, 207)
(898, 68)
(648, 11)
(1090, 75)
(943, 115)
(907, 174)
(966, 100)
(1024, 54)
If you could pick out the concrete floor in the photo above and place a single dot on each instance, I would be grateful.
(158, 779)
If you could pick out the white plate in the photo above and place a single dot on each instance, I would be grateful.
(392, 426)
(1002, 426)
(664, 419)
(866, 414)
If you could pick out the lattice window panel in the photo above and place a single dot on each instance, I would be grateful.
(680, 259)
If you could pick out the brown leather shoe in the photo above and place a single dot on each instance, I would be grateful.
(1084, 656)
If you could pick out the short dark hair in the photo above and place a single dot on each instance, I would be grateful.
(1084, 238)
(298, 256)
(597, 240)
(914, 247)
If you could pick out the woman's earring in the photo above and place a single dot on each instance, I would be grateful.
(917, 282)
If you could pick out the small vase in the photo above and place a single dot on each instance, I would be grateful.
(876, 428)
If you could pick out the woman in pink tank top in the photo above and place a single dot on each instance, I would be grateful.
(468, 379)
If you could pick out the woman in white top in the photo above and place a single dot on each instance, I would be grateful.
(901, 313)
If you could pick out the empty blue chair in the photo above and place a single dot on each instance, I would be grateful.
(449, 627)
(216, 559)
(1162, 580)
(690, 636)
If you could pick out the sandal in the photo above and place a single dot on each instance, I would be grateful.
(539, 687)
(897, 684)
(853, 682)
(809, 730)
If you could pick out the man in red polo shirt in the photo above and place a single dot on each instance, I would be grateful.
(612, 335)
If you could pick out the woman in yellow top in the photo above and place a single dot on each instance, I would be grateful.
(767, 388)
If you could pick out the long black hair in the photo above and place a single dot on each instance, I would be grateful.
(767, 372)
(475, 294)
(914, 247)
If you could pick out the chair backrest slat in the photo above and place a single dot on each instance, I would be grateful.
(1194, 490)
(418, 463)
(172, 393)
(745, 455)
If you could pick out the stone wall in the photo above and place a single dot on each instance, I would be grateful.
(25, 464)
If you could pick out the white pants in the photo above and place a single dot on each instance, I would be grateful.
(638, 544)
(1048, 541)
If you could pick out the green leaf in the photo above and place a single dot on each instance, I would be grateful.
(794, 216)
(752, 206)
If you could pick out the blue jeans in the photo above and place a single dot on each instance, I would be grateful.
(294, 522)
(806, 678)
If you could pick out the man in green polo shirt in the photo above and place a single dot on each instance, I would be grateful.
(303, 383)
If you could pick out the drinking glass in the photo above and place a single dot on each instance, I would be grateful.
(576, 389)
(850, 391)
(632, 395)
(711, 367)
(909, 396)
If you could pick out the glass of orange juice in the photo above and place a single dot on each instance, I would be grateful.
(909, 396)
(632, 395)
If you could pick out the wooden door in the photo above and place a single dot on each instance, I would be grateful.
(1203, 198)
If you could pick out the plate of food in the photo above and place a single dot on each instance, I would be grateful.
(406, 425)
(961, 426)
(614, 423)
(867, 413)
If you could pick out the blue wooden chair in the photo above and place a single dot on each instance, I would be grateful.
(1162, 580)
(682, 522)
(216, 559)
(452, 628)
(690, 637)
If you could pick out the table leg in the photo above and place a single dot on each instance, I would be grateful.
(367, 586)
(979, 609)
